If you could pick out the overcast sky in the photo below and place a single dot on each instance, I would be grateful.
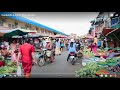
(67, 22)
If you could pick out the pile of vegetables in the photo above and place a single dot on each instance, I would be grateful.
(100, 63)
(109, 62)
(88, 54)
(10, 67)
(99, 50)
(7, 69)
(89, 71)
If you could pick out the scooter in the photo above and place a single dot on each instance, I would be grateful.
(44, 57)
(72, 58)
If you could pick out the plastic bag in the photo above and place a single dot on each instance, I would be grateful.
(19, 71)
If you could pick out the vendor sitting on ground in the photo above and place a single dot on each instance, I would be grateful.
(110, 54)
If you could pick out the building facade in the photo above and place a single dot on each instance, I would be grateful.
(106, 22)
(13, 22)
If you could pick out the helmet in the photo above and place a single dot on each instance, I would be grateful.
(72, 40)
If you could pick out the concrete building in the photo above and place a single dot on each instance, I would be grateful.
(10, 21)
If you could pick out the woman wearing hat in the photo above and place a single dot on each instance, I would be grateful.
(49, 47)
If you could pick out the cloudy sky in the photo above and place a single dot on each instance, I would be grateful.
(67, 22)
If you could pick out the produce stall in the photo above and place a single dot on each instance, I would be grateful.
(7, 68)
(95, 67)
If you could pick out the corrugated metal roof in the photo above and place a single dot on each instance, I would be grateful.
(22, 19)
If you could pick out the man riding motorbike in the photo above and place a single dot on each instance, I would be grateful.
(78, 45)
(72, 49)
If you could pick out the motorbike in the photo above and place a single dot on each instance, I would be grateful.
(72, 58)
(44, 57)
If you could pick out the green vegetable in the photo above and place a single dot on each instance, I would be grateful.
(88, 71)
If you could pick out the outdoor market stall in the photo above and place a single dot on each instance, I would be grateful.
(95, 67)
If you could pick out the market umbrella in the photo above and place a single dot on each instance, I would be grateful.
(14, 33)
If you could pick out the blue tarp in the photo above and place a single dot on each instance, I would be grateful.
(22, 19)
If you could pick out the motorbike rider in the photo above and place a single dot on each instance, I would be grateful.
(72, 48)
(78, 45)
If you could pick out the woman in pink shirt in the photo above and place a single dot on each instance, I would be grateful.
(49, 47)
(27, 54)
(13, 46)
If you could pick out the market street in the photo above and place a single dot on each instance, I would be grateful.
(60, 69)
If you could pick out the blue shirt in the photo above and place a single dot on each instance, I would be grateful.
(62, 44)
(99, 43)
(72, 49)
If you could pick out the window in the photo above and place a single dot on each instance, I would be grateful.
(16, 23)
(9, 25)
(1, 23)
(22, 27)
(37, 28)
(13, 26)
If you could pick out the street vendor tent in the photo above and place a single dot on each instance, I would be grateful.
(2, 32)
(14, 33)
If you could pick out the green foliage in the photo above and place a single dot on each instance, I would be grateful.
(10, 67)
(88, 71)
(88, 53)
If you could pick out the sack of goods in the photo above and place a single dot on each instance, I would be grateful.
(48, 53)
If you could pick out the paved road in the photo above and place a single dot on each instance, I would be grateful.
(60, 69)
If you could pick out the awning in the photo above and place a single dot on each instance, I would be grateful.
(113, 31)
(114, 34)
(28, 31)
(2, 32)
(106, 31)
(14, 33)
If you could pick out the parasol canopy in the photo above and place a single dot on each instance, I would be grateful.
(14, 33)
